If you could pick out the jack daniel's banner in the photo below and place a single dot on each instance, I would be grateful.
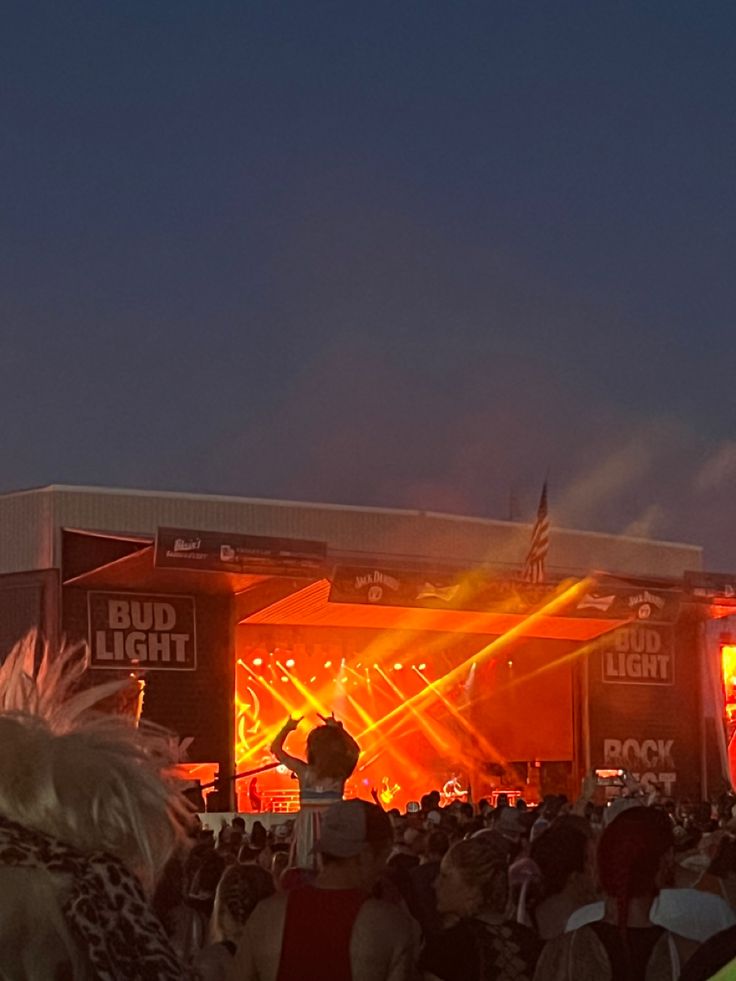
(388, 586)
(375, 585)
(478, 593)
(618, 601)
(134, 630)
(208, 551)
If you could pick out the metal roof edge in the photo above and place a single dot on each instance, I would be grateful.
(354, 508)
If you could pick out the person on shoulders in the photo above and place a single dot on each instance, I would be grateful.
(332, 755)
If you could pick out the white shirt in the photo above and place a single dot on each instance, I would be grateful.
(689, 913)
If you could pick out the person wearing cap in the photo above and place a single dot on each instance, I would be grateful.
(332, 930)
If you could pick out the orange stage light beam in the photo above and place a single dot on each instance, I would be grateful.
(311, 699)
(495, 647)
(406, 765)
(439, 641)
(365, 718)
(588, 648)
(270, 732)
(272, 689)
(432, 736)
(395, 638)
(488, 748)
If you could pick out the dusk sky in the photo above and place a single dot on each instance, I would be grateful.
(403, 254)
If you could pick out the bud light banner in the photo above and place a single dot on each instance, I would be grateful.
(643, 692)
(639, 654)
(136, 630)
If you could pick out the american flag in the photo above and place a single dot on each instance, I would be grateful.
(533, 570)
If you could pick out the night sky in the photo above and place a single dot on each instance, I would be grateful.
(409, 254)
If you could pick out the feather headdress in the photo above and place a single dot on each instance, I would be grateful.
(84, 776)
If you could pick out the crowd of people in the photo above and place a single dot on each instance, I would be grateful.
(468, 893)
(107, 875)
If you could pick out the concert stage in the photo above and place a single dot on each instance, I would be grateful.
(437, 698)
(413, 628)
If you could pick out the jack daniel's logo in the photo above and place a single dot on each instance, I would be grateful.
(644, 602)
(374, 583)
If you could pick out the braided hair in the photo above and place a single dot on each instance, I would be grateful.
(630, 855)
(240, 890)
(484, 866)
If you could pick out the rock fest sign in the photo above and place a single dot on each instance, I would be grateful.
(151, 632)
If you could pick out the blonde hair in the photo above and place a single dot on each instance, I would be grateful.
(88, 778)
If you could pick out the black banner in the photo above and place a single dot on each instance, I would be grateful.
(476, 592)
(388, 586)
(376, 585)
(208, 551)
(711, 585)
(620, 602)
(639, 654)
(135, 630)
(643, 706)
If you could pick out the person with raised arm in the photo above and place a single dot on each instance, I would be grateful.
(332, 755)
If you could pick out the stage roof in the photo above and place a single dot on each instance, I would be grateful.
(310, 607)
(308, 601)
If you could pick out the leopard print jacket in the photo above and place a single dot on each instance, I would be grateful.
(105, 908)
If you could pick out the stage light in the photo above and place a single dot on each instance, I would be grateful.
(290, 663)
(328, 664)
(313, 679)
(422, 667)
(510, 664)
(343, 680)
(258, 661)
(557, 602)
(398, 666)
(284, 678)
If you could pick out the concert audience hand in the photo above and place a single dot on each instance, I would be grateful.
(330, 720)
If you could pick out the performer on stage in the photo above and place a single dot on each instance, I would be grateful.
(332, 755)
(453, 791)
